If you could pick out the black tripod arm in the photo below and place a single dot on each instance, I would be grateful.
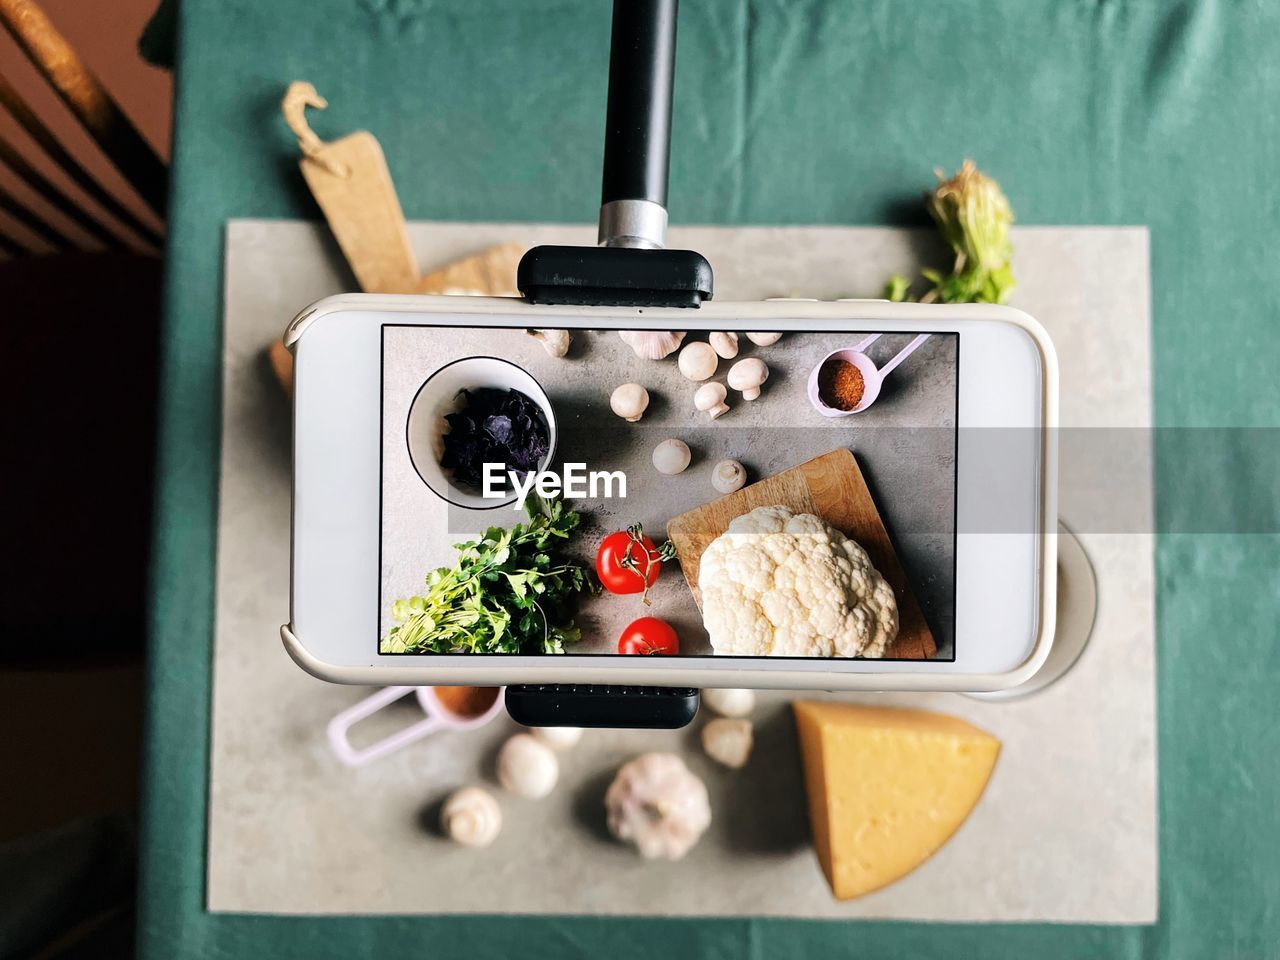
(637, 139)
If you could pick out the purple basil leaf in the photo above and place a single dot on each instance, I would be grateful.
(494, 426)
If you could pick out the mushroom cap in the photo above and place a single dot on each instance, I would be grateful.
(728, 740)
(671, 457)
(471, 817)
(527, 766)
(728, 702)
(709, 395)
(728, 476)
(559, 738)
(747, 374)
(724, 344)
(764, 339)
(698, 360)
(629, 401)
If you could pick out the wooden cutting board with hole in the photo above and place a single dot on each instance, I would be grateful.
(832, 487)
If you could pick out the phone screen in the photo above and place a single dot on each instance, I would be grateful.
(668, 493)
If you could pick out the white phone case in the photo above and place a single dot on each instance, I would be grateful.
(428, 670)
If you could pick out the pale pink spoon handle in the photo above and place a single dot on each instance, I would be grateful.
(905, 352)
(862, 345)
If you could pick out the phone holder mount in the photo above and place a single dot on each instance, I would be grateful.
(630, 267)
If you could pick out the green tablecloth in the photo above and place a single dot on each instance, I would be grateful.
(1087, 111)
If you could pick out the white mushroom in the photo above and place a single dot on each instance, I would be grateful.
(729, 702)
(657, 804)
(629, 401)
(559, 738)
(728, 740)
(747, 375)
(671, 457)
(764, 339)
(527, 767)
(555, 342)
(471, 817)
(698, 361)
(724, 344)
(710, 399)
(652, 344)
(728, 476)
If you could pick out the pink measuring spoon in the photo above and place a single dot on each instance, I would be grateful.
(872, 376)
(438, 716)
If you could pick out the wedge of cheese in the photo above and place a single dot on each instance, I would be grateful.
(887, 787)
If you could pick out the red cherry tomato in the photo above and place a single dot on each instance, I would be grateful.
(649, 636)
(626, 563)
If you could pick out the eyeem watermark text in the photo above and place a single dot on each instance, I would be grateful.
(575, 482)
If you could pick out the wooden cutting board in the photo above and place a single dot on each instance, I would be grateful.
(489, 273)
(832, 487)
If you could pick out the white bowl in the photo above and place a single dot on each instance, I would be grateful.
(440, 394)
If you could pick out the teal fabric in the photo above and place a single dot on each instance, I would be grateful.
(1087, 112)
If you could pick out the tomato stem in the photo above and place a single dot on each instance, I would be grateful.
(635, 533)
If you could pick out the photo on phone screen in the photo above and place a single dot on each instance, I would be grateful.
(668, 493)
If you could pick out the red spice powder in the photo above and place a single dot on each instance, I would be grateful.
(466, 701)
(840, 384)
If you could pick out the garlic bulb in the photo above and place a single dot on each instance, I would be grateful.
(671, 457)
(471, 817)
(729, 703)
(527, 767)
(727, 740)
(559, 738)
(657, 804)
(652, 344)
(555, 342)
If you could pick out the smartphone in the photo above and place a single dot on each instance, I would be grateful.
(789, 494)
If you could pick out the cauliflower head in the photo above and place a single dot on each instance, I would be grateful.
(788, 585)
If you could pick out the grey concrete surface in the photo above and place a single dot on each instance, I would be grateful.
(905, 443)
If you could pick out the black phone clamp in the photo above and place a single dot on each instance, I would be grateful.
(630, 267)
